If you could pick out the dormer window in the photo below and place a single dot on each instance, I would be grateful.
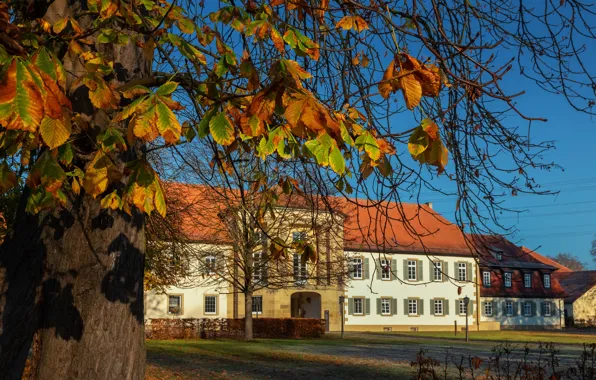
(497, 253)
(499, 256)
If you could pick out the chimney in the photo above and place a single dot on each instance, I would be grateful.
(429, 204)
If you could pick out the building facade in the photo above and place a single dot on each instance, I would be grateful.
(580, 302)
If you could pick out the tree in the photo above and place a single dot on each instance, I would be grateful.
(593, 249)
(570, 261)
(88, 89)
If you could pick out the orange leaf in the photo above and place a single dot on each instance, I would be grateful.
(385, 87)
(411, 89)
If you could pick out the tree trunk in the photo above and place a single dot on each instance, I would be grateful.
(248, 335)
(76, 275)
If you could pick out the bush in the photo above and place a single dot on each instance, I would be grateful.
(209, 328)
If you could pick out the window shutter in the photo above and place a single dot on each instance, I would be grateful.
(542, 308)
(365, 269)
(469, 271)
(457, 307)
(379, 269)
(379, 306)
(367, 302)
(420, 307)
(393, 306)
(264, 266)
(420, 271)
(534, 309)
(470, 307)
(393, 269)
(432, 307)
(405, 306)
(405, 276)
(350, 269)
(553, 309)
(431, 271)
(504, 308)
(515, 308)
(445, 270)
(350, 306)
(446, 307)
(483, 310)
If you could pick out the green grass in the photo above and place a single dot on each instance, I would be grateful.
(513, 336)
(274, 359)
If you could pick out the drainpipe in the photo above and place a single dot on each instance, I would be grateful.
(561, 311)
(478, 303)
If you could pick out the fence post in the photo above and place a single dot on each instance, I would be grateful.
(455, 327)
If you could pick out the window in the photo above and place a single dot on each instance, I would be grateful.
(546, 309)
(385, 269)
(509, 308)
(210, 304)
(438, 270)
(257, 267)
(486, 278)
(385, 306)
(175, 305)
(507, 279)
(462, 307)
(438, 307)
(357, 268)
(546, 280)
(412, 275)
(358, 306)
(462, 271)
(210, 265)
(527, 309)
(499, 256)
(488, 309)
(527, 280)
(412, 307)
(257, 304)
(300, 270)
(299, 236)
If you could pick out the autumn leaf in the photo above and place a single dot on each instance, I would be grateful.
(97, 174)
(21, 104)
(55, 132)
(352, 22)
(111, 201)
(368, 143)
(337, 161)
(221, 129)
(411, 89)
(385, 86)
(8, 179)
(418, 142)
(167, 124)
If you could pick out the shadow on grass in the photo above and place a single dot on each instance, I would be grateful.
(235, 359)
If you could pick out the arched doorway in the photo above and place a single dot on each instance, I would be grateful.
(306, 305)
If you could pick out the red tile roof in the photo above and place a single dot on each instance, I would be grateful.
(576, 283)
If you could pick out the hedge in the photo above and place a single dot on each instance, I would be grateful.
(212, 328)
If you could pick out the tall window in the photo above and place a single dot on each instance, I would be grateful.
(257, 304)
(462, 269)
(527, 309)
(507, 279)
(546, 309)
(527, 280)
(488, 309)
(462, 307)
(486, 278)
(357, 268)
(299, 236)
(210, 304)
(546, 280)
(300, 270)
(412, 275)
(413, 307)
(438, 270)
(509, 308)
(175, 305)
(438, 307)
(358, 306)
(210, 265)
(257, 266)
(385, 269)
(385, 306)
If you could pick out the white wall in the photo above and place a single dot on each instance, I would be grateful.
(538, 320)
(426, 290)
(156, 304)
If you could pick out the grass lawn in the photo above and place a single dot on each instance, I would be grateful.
(513, 336)
(261, 359)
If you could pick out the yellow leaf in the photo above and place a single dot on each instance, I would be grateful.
(145, 125)
(97, 176)
(411, 89)
(352, 22)
(168, 124)
(60, 25)
(385, 87)
(111, 201)
(55, 132)
(345, 23)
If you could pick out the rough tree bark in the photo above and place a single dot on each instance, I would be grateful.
(248, 330)
(76, 275)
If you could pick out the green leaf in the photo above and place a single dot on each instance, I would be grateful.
(266, 147)
(319, 151)
(345, 135)
(337, 161)
(368, 143)
(8, 179)
(166, 88)
(204, 123)
(45, 63)
(222, 129)
(418, 142)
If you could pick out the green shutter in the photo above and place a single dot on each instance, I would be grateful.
(350, 269)
(405, 275)
(420, 307)
(393, 269)
(542, 308)
(365, 275)
(405, 306)
(470, 307)
(367, 304)
(515, 308)
(469, 271)
(350, 306)
(378, 306)
(445, 270)
(420, 271)
(483, 308)
(457, 307)
(379, 269)
(432, 307)
(553, 309)
(393, 306)
(534, 313)
(431, 271)
(446, 307)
